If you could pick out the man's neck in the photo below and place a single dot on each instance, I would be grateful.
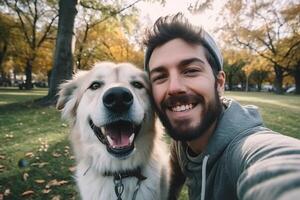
(198, 145)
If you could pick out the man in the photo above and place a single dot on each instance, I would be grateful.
(221, 150)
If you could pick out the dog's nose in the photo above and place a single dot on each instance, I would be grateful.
(118, 99)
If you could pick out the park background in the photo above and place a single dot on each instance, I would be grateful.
(44, 42)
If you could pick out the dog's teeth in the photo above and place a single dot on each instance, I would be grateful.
(102, 129)
(131, 138)
(110, 140)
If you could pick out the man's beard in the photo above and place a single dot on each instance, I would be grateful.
(211, 112)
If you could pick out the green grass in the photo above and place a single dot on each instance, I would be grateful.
(38, 136)
(281, 113)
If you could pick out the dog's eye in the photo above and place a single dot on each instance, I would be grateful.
(137, 84)
(95, 85)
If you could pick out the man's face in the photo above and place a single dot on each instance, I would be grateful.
(185, 91)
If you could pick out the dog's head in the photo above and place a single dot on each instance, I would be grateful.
(109, 107)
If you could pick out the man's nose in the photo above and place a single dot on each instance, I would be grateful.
(176, 85)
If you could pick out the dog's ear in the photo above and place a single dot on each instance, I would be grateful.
(67, 100)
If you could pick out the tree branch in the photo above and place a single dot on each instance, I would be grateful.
(48, 28)
(115, 13)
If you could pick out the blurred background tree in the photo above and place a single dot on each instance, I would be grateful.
(259, 39)
(269, 29)
(35, 21)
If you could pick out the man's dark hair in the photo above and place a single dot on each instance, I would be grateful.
(177, 26)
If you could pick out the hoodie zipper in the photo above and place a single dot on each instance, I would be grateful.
(203, 185)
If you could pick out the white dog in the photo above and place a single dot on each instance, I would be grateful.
(118, 151)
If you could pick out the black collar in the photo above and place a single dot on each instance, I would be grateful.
(126, 174)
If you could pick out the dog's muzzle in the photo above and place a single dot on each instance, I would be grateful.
(119, 134)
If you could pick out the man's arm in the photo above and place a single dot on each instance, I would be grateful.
(177, 178)
(270, 168)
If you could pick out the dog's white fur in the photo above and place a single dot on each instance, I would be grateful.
(78, 102)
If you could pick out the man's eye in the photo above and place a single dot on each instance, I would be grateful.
(158, 78)
(191, 72)
(95, 85)
(137, 84)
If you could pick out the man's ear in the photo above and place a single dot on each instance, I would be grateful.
(221, 83)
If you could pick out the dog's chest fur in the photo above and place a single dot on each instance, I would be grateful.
(103, 187)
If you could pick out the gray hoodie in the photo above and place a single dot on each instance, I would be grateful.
(243, 160)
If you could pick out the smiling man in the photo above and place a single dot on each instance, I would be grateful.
(221, 150)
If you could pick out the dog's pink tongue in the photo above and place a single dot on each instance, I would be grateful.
(119, 138)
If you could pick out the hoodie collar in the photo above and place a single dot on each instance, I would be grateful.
(234, 120)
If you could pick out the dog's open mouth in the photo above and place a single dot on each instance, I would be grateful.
(118, 136)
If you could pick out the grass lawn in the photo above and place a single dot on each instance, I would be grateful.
(36, 161)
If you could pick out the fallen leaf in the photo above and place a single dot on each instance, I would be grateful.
(28, 192)
(52, 183)
(29, 154)
(55, 182)
(63, 182)
(64, 125)
(46, 191)
(9, 136)
(56, 197)
(1, 166)
(7, 192)
(40, 181)
(2, 157)
(40, 165)
(43, 164)
(56, 155)
(72, 169)
(25, 176)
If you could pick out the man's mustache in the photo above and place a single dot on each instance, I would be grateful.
(181, 99)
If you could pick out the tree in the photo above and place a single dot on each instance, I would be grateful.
(90, 42)
(36, 19)
(291, 44)
(257, 71)
(107, 41)
(62, 61)
(13, 48)
(234, 61)
(6, 26)
(63, 58)
(260, 27)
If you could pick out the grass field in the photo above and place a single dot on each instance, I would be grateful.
(35, 157)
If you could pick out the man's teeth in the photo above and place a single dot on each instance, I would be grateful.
(182, 108)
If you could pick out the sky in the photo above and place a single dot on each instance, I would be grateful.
(149, 12)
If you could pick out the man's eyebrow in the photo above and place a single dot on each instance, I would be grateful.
(157, 70)
(181, 63)
(189, 61)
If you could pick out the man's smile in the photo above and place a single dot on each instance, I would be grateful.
(182, 108)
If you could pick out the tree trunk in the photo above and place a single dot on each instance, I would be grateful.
(63, 58)
(28, 74)
(230, 81)
(2, 53)
(297, 78)
(278, 79)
